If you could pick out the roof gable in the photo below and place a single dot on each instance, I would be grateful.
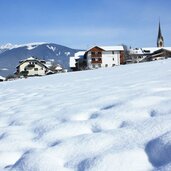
(112, 48)
(31, 59)
(162, 50)
(96, 48)
(106, 48)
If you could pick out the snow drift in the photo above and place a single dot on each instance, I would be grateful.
(107, 119)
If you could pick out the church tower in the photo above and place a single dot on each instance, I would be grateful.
(160, 40)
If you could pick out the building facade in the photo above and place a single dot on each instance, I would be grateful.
(77, 62)
(31, 67)
(104, 56)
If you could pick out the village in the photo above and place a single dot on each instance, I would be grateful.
(85, 85)
(92, 58)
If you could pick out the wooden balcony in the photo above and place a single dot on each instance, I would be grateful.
(96, 54)
(96, 60)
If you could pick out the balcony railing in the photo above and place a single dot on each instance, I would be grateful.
(96, 60)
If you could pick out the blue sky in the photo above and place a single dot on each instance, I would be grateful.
(83, 23)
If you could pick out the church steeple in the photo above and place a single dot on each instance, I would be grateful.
(160, 40)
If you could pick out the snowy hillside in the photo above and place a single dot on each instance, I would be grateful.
(116, 119)
(10, 55)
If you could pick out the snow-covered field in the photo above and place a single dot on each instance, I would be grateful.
(116, 119)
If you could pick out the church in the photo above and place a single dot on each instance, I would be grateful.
(162, 52)
(151, 53)
(160, 39)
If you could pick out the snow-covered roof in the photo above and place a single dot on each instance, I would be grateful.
(28, 59)
(31, 58)
(111, 48)
(151, 49)
(108, 48)
(2, 78)
(136, 51)
(58, 67)
(167, 48)
(42, 62)
(147, 50)
(79, 53)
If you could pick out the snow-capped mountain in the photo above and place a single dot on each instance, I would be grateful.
(6, 47)
(10, 55)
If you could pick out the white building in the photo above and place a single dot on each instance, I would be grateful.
(2, 78)
(104, 56)
(149, 53)
(32, 67)
(75, 60)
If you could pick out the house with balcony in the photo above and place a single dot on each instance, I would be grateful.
(31, 67)
(104, 56)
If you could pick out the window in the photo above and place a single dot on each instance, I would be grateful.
(106, 65)
(96, 59)
(36, 69)
(96, 53)
(99, 65)
(113, 59)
